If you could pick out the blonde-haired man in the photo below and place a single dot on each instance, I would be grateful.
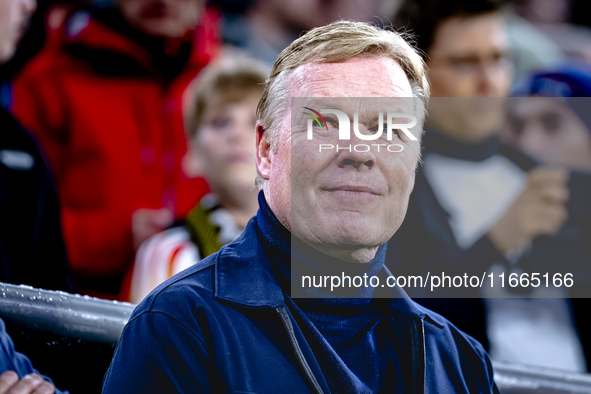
(243, 320)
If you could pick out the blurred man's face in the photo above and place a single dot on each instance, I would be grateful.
(548, 130)
(297, 15)
(14, 15)
(224, 145)
(163, 18)
(344, 203)
(469, 58)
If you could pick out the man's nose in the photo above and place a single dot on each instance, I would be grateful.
(492, 79)
(358, 156)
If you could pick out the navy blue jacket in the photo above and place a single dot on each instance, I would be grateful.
(223, 326)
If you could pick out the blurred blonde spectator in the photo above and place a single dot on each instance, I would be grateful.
(221, 133)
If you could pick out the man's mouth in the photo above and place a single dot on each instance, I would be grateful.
(352, 190)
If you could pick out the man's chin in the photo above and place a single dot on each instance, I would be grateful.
(349, 237)
(349, 250)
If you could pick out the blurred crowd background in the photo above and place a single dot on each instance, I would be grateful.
(136, 157)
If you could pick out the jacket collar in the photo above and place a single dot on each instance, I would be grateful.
(244, 277)
(243, 272)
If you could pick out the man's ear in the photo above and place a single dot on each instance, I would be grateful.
(263, 156)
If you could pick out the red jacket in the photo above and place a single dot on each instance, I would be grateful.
(112, 126)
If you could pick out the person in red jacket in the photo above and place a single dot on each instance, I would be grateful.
(105, 97)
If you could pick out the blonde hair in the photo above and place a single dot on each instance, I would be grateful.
(338, 42)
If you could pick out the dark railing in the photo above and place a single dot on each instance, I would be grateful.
(517, 379)
(70, 338)
(64, 314)
(82, 324)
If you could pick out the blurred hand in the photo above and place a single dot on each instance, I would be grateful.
(538, 210)
(29, 384)
(147, 222)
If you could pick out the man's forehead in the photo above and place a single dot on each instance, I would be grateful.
(465, 35)
(356, 77)
(370, 106)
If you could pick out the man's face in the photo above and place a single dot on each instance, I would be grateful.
(548, 130)
(14, 15)
(469, 58)
(297, 15)
(162, 18)
(346, 203)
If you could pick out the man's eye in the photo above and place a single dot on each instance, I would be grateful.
(375, 129)
(395, 132)
(401, 136)
(332, 122)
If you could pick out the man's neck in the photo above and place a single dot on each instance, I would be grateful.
(356, 255)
